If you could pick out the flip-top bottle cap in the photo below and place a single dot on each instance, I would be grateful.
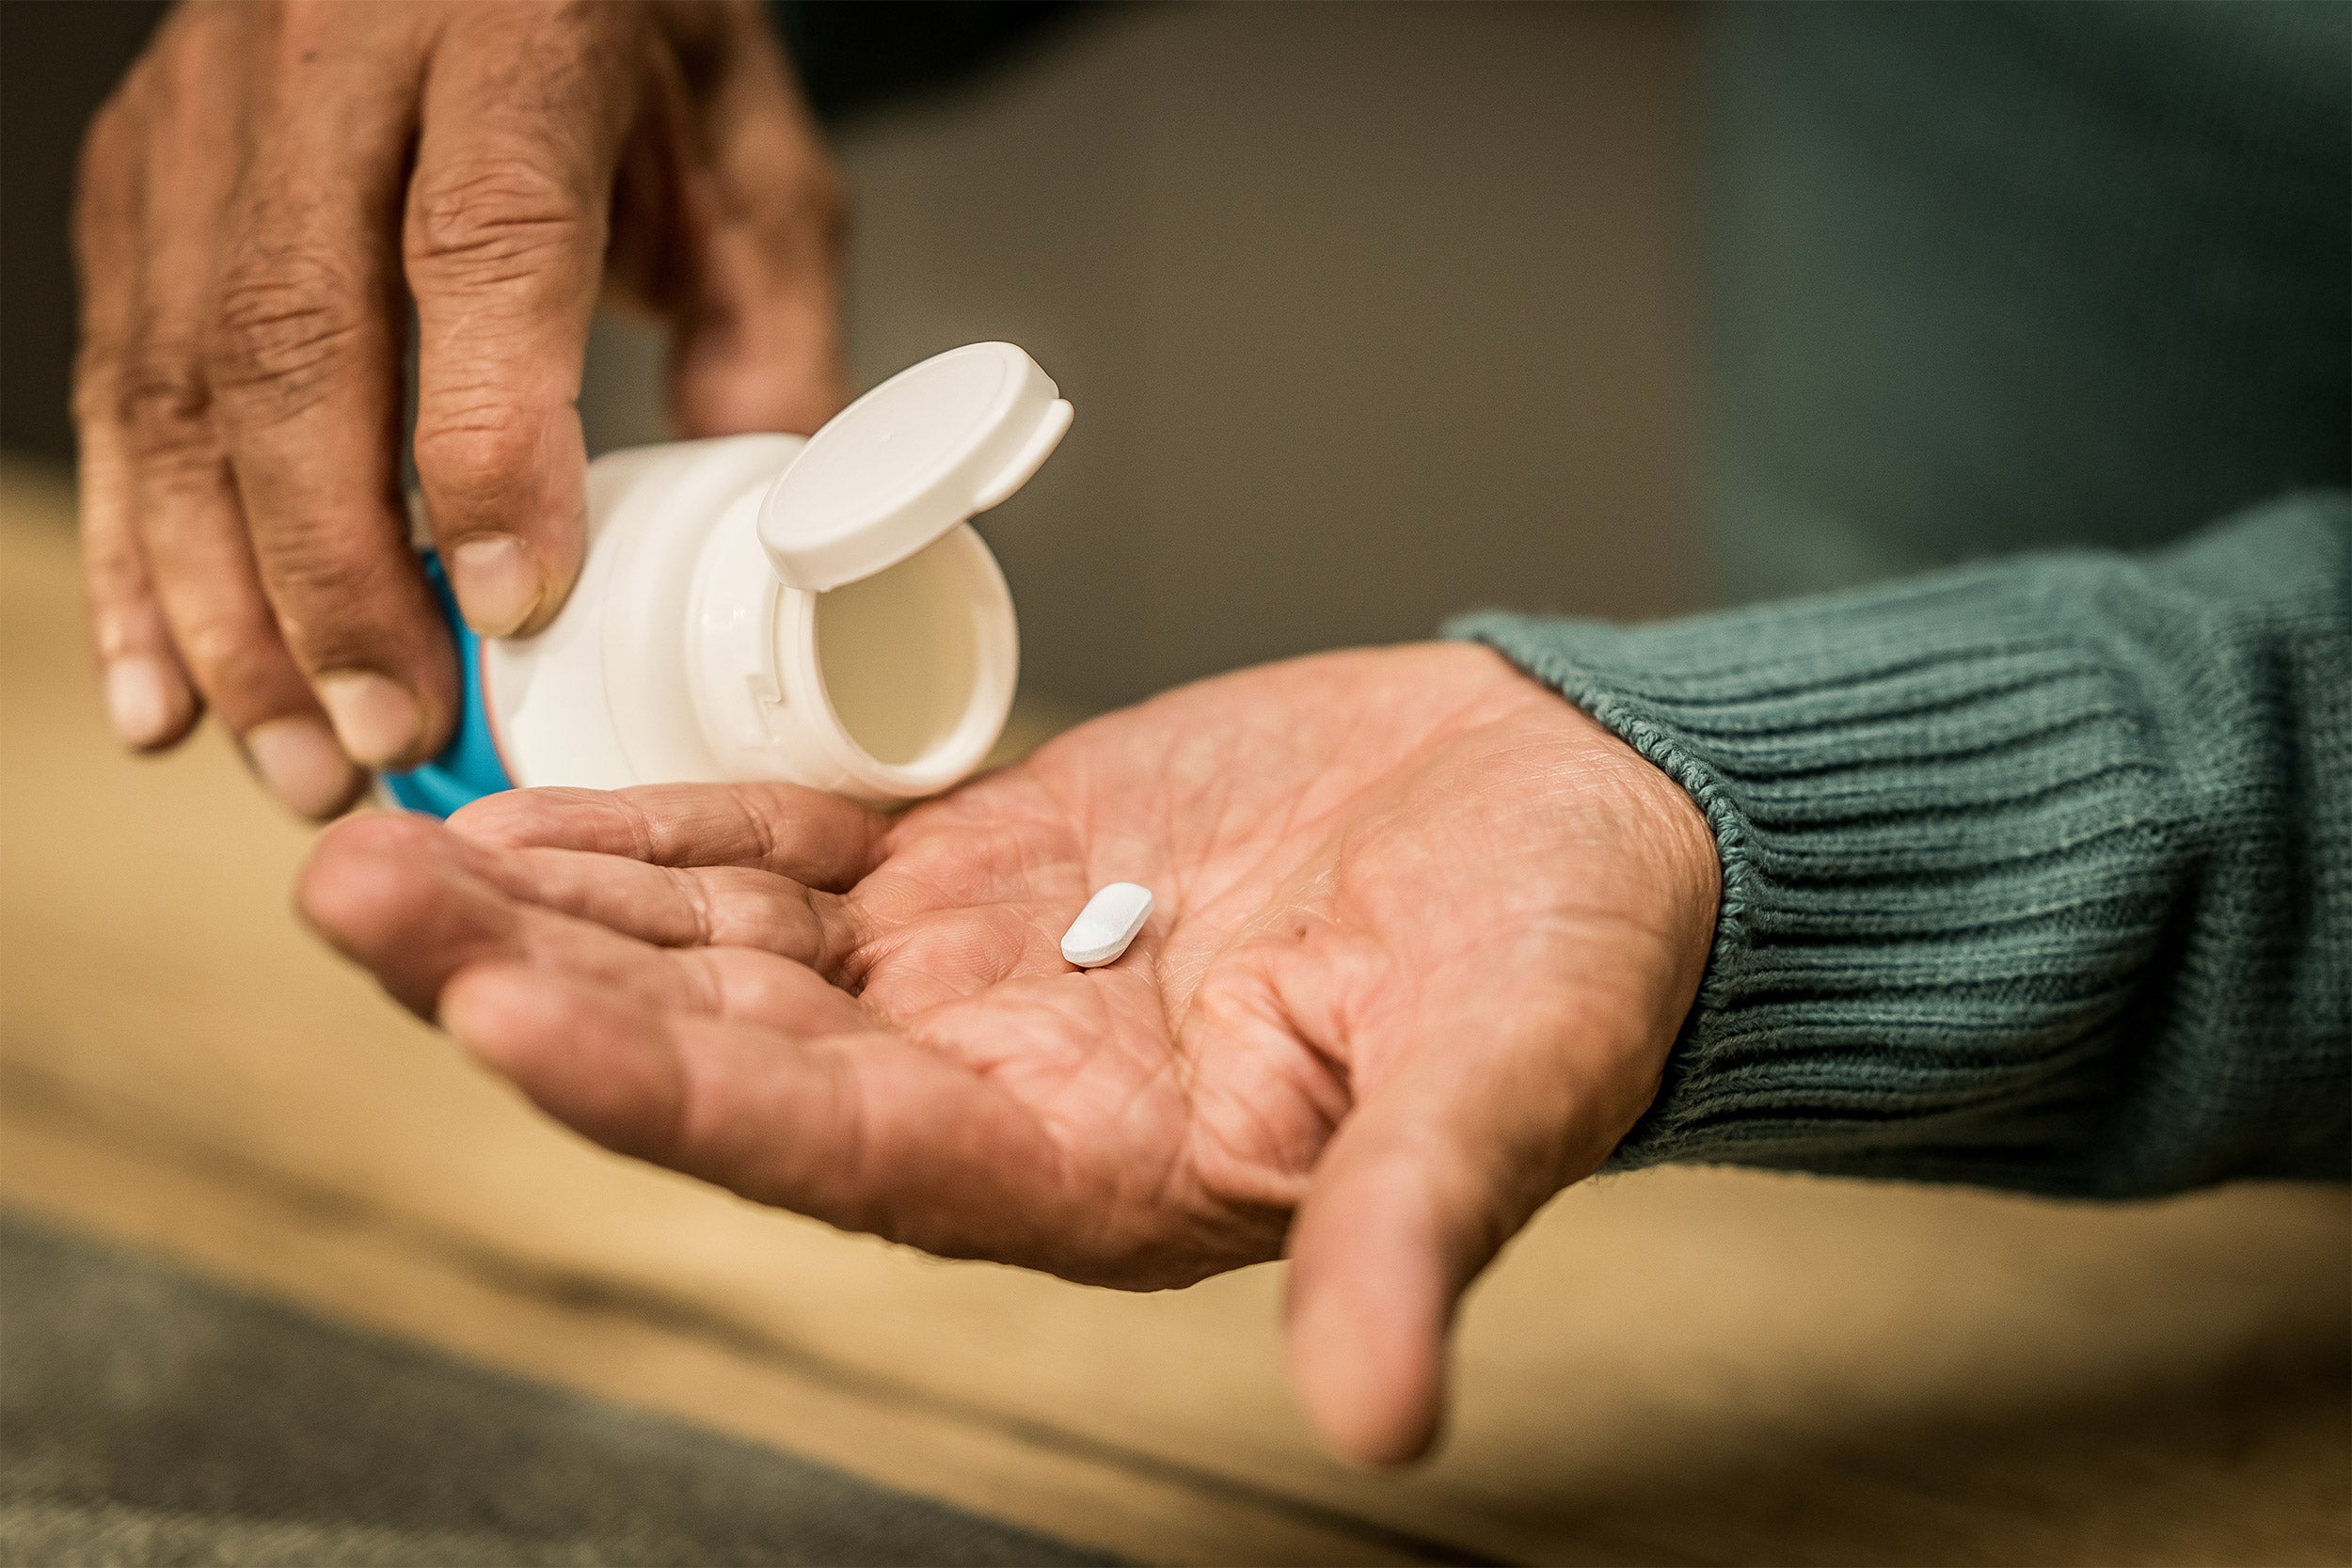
(901, 467)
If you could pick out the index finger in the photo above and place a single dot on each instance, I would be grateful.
(863, 1130)
(525, 111)
(817, 840)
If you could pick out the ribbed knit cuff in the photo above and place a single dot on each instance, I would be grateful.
(1947, 839)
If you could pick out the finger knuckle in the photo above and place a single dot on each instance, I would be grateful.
(115, 587)
(496, 219)
(287, 325)
(479, 452)
(321, 584)
(232, 653)
(96, 399)
(165, 404)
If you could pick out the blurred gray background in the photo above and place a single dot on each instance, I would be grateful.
(1372, 313)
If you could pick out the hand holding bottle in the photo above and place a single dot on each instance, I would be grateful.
(260, 201)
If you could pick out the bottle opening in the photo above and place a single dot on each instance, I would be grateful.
(900, 654)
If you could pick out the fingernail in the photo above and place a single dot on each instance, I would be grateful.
(496, 581)
(146, 704)
(298, 759)
(376, 718)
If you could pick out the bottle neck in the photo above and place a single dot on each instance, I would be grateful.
(886, 690)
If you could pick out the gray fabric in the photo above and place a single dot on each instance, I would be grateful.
(147, 1417)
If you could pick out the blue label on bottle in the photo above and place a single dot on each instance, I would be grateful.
(469, 767)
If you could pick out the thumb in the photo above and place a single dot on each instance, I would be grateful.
(757, 344)
(1440, 1164)
(764, 219)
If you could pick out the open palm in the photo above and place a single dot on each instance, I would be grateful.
(1424, 934)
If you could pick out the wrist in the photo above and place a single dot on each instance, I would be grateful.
(1944, 831)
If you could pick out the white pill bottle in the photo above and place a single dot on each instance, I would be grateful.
(817, 612)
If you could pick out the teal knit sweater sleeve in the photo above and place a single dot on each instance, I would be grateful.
(2036, 874)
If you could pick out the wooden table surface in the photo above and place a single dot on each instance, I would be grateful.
(1676, 1366)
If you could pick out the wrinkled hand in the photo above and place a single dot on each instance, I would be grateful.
(1424, 933)
(259, 203)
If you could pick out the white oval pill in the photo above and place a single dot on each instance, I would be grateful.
(1107, 924)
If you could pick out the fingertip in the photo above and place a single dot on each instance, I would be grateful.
(378, 720)
(297, 757)
(361, 879)
(1376, 1253)
(396, 894)
(150, 705)
(500, 583)
(1368, 1360)
(492, 1008)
